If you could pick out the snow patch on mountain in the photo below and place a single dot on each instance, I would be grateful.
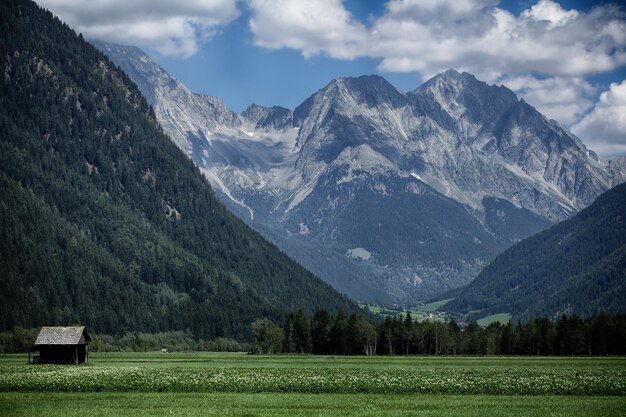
(359, 253)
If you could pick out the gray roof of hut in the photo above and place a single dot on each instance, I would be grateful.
(72, 335)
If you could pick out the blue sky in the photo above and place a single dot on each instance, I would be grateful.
(567, 58)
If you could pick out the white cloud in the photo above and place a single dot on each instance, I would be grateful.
(559, 98)
(437, 10)
(429, 36)
(170, 27)
(544, 39)
(551, 12)
(312, 27)
(604, 128)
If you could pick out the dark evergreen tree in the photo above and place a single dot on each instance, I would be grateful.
(338, 334)
(321, 326)
(358, 335)
(407, 333)
(302, 332)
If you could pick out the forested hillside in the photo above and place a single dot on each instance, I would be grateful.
(103, 220)
(576, 267)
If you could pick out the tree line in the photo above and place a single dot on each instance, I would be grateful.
(325, 334)
(355, 334)
(21, 340)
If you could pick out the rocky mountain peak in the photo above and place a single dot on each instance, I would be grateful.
(349, 107)
(461, 95)
(275, 117)
(369, 90)
(254, 112)
(454, 80)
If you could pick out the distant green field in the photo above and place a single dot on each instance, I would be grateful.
(435, 306)
(418, 313)
(238, 384)
(426, 311)
(503, 318)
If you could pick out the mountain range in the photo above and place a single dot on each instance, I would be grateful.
(104, 222)
(390, 196)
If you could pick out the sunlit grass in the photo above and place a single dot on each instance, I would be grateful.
(503, 318)
(434, 306)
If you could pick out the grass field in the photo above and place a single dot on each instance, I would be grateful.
(296, 405)
(242, 385)
(431, 307)
(503, 318)
(419, 313)
(427, 312)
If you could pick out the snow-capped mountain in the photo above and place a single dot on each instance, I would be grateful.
(389, 196)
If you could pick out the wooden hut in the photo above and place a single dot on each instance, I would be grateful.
(63, 345)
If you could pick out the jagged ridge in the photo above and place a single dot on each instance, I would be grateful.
(303, 178)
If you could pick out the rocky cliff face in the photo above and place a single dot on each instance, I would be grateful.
(497, 145)
(389, 196)
(616, 168)
(272, 118)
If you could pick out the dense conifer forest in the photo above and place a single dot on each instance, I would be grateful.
(103, 220)
(354, 334)
(576, 267)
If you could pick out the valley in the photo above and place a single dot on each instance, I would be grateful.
(425, 243)
(390, 197)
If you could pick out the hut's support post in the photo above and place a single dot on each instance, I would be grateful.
(76, 357)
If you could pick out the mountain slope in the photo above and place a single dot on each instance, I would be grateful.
(577, 266)
(104, 221)
(360, 183)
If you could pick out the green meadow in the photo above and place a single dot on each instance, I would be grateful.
(235, 384)
(422, 313)
(501, 318)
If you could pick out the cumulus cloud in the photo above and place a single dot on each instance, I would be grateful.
(604, 128)
(551, 12)
(171, 28)
(429, 36)
(312, 27)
